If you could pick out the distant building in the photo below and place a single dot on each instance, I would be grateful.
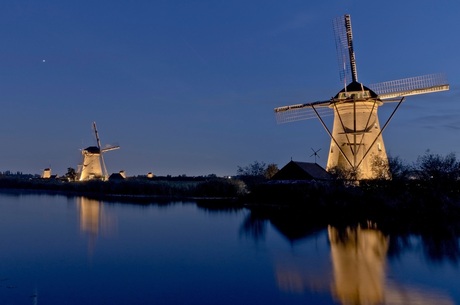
(117, 176)
(296, 170)
(46, 173)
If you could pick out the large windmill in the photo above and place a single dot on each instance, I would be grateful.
(356, 137)
(93, 166)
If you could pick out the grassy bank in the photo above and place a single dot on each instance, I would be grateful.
(412, 206)
(411, 202)
(133, 188)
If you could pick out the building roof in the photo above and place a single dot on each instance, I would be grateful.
(116, 176)
(355, 86)
(296, 170)
(93, 150)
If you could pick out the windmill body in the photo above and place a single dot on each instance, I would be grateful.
(356, 138)
(93, 166)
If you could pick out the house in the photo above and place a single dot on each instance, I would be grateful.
(296, 170)
(116, 177)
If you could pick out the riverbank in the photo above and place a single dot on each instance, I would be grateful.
(140, 190)
(428, 208)
(411, 203)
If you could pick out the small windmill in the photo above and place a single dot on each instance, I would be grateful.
(315, 153)
(356, 137)
(93, 166)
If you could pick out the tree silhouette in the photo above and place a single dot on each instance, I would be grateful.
(71, 174)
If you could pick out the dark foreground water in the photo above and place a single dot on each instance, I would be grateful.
(59, 250)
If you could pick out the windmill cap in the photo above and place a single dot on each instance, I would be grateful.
(355, 86)
(93, 150)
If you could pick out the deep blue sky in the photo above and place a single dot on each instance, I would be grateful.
(189, 87)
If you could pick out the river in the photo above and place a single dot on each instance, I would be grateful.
(75, 250)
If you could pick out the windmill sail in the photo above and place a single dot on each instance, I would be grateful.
(411, 86)
(109, 148)
(344, 46)
(298, 112)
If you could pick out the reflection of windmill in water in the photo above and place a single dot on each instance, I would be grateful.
(93, 166)
(355, 272)
(356, 137)
(94, 220)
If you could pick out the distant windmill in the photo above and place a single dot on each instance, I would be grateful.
(93, 166)
(315, 153)
(356, 136)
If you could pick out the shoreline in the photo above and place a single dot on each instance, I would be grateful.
(415, 202)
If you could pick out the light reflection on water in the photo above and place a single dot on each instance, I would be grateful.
(95, 220)
(359, 270)
(355, 273)
(359, 259)
(56, 250)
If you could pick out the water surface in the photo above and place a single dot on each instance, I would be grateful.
(60, 250)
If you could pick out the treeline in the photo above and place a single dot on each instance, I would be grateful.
(134, 188)
(433, 180)
(420, 195)
(428, 167)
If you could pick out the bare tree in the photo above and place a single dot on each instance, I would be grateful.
(71, 174)
(436, 167)
(344, 174)
(398, 169)
(380, 168)
(271, 170)
(254, 169)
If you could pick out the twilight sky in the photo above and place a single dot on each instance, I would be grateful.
(189, 87)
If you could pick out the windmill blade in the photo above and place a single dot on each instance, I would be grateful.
(105, 174)
(109, 148)
(97, 136)
(344, 47)
(298, 112)
(411, 86)
(104, 168)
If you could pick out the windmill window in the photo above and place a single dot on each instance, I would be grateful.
(379, 147)
(355, 95)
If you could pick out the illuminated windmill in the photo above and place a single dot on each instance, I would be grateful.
(356, 137)
(93, 166)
